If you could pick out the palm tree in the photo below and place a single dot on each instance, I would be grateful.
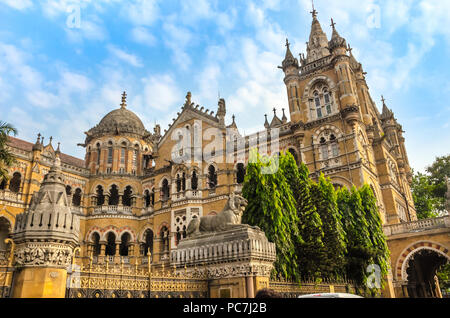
(6, 158)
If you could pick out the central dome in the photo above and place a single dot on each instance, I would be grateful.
(119, 121)
(121, 117)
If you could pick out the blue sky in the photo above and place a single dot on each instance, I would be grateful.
(61, 72)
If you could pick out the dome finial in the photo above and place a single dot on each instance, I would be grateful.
(313, 12)
(124, 100)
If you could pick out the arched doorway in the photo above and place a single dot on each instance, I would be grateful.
(421, 271)
(417, 267)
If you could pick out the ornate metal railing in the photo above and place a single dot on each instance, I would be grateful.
(134, 281)
(417, 226)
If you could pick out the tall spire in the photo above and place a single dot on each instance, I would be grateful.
(313, 12)
(318, 41)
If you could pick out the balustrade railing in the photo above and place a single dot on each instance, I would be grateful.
(10, 196)
(417, 226)
(113, 209)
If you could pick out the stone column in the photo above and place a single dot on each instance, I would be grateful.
(250, 288)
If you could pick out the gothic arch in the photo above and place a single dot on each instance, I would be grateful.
(127, 229)
(141, 237)
(331, 85)
(92, 230)
(342, 181)
(408, 252)
(318, 133)
(108, 229)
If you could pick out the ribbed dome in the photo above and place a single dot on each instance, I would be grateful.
(121, 117)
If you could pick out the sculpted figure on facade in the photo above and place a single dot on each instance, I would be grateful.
(229, 217)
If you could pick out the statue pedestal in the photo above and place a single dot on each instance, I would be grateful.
(237, 261)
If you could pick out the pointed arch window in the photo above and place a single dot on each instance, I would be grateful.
(110, 153)
(324, 148)
(317, 104)
(147, 198)
(3, 185)
(124, 244)
(113, 195)
(122, 155)
(96, 244)
(100, 196)
(178, 183)
(127, 199)
(148, 244)
(76, 199)
(98, 154)
(194, 181)
(212, 177)
(165, 190)
(110, 249)
(16, 181)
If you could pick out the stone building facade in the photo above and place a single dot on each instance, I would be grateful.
(133, 198)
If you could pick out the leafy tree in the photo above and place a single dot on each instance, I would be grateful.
(310, 249)
(424, 196)
(6, 158)
(359, 249)
(375, 229)
(438, 171)
(325, 201)
(271, 206)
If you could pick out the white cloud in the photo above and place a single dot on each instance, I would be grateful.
(178, 38)
(124, 56)
(143, 36)
(142, 12)
(161, 92)
(18, 4)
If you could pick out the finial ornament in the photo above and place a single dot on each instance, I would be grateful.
(124, 100)
(350, 48)
(287, 43)
(274, 111)
(38, 138)
(51, 138)
(332, 23)
(382, 99)
(188, 99)
(313, 12)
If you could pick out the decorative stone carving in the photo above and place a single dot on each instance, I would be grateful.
(42, 254)
(229, 217)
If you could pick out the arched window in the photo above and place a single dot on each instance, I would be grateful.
(147, 198)
(96, 244)
(327, 100)
(178, 183)
(317, 104)
(68, 190)
(165, 191)
(152, 197)
(125, 243)
(329, 146)
(14, 184)
(123, 153)
(113, 195)
(126, 199)
(212, 177)
(110, 249)
(76, 199)
(135, 157)
(100, 195)
(194, 181)
(324, 148)
(110, 153)
(148, 245)
(3, 185)
(183, 182)
(98, 154)
(240, 173)
(5, 229)
(294, 154)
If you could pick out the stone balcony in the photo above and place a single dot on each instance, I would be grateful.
(417, 226)
(113, 209)
(6, 195)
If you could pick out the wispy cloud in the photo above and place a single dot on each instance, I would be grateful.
(124, 56)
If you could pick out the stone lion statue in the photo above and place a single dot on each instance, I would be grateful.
(229, 217)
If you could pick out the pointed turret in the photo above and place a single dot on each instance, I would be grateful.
(233, 124)
(317, 47)
(284, 118)
(387, 113)
(275, 120)
(266, 123)
(337, 44)
(38, 145)
(289, 59)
